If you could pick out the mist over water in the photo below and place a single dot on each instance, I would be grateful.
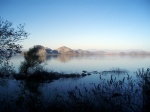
(78, 63)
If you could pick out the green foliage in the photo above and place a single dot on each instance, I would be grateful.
(6, 69)
(32, 61)
(10, 38)
(9, 45)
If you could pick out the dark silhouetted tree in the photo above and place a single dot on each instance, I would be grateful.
(32, 60)
(9, 44)
(10, 38)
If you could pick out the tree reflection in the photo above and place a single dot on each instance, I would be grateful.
(30, 97)
(65, 58)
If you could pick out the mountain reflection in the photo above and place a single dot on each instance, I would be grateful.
(67, 58)
(62, 58)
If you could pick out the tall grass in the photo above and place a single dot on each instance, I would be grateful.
(124, 95)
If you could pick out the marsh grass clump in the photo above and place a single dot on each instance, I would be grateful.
(38, 76)
(116, 71)
(71, 75)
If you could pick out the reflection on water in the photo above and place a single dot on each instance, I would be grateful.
(64, 58)
(29, 94)
(78, 63)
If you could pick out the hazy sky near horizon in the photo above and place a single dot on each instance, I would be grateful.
(85, 24)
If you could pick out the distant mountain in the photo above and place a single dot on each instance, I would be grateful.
(80, 51)
(139, 53)
(66, 50)
(121, 53)
(43, 51)
(99, 52)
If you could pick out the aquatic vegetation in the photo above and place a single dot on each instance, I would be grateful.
(116, 71)
(109, 95)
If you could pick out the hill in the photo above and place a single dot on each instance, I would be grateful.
(66, 50)
(44, 51)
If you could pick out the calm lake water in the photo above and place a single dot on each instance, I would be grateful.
(89, 63)
(11, 89)
(76, 64)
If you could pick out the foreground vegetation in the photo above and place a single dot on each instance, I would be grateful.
(109, 95)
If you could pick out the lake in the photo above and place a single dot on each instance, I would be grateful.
(21, 92)
(78, 63)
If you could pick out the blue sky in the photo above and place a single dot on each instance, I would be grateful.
(85, 24)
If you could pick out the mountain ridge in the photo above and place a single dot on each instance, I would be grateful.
(43, 51)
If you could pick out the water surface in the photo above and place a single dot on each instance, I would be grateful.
(78, 63)
(15, 91)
